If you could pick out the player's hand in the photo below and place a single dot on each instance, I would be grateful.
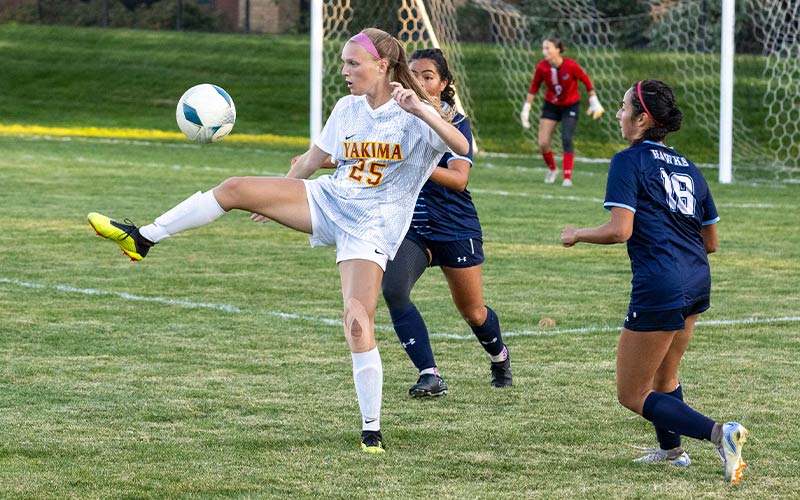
(406, 98)
(259, 218)
(569, 236)
(525, 115)
(595, 108)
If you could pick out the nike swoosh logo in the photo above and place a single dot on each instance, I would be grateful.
(369, 420)
(349, 137)
(379, 252)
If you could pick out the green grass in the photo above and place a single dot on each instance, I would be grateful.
(182, 376)
(133, 78)
(112, 388)
(55, 75)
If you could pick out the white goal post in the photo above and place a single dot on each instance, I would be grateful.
(727, 53)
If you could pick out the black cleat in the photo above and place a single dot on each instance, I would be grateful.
(428, 386)
(372, 442)
(501, 372)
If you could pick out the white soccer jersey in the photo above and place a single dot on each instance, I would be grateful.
(383, 158)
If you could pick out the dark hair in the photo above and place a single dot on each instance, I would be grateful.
(659, 103)
(437, 56)
(557, 42)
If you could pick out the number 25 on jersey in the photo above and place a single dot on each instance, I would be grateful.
(370, 173)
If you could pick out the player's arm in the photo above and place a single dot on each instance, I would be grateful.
(306, 164)
(710, 240)
(328, 163)
(455, 176)
(616, 230)
(408, 100)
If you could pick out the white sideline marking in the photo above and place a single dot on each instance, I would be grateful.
(175, 302)
(271, 173)
(337, 322)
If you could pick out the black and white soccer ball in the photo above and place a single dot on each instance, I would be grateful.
(205, 113)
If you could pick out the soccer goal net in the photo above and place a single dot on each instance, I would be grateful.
(677, 41)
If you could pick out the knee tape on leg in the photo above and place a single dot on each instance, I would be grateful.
(356, 319)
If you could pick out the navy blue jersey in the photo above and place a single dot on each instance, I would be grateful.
(443, 214)
(671, 202)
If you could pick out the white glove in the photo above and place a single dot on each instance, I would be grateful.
(595, 108)
(525, 115)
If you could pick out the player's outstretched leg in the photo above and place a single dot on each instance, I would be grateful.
(126, 235)
(196, 211)
(734, 436)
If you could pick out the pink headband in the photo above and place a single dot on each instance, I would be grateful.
(365, 42)
(639, 92)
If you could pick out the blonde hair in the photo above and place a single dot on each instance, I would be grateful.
(392, 51)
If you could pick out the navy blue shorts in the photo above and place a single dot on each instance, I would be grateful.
(554, 112)
(460, 254)
(656, 321)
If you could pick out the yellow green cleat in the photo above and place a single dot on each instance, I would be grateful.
(372, 442)
(125, 235)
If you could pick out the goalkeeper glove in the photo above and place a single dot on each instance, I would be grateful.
(524, 115)
(595, 108)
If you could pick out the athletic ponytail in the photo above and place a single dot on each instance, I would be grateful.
(392, 51)
(655, 99)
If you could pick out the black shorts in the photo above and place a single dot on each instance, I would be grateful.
(551, 111)
(460, 254)
(656, 321)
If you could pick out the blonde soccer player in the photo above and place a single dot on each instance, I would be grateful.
(386, 139)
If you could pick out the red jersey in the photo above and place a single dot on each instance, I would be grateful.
(561, 82)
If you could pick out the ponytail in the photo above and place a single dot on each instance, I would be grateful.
(392, 51)
(655, 99)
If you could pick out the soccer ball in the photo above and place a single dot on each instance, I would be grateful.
(205, 113)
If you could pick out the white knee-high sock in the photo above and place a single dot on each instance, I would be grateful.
(195, 211)
(368, 377)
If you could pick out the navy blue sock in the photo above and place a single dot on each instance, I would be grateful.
(413, 336)
(667, 439)
(489, 333)
(670, 413)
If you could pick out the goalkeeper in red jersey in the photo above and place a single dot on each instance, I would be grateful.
(560, 75)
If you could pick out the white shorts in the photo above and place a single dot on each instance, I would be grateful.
(325, 233)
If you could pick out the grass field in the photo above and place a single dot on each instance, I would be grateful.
(217, 366)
